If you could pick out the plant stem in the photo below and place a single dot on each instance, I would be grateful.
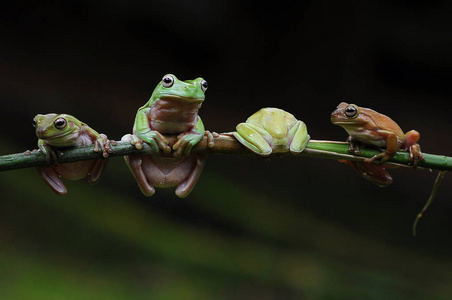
(224, 144)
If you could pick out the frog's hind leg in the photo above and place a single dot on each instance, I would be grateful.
(250, 136)
(52, 179)
(137, 171)
(97, 170)
(185, 187)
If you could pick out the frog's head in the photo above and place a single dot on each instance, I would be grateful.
(189, 90)
(52, 126)
(347, 115)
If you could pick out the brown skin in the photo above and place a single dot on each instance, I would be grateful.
(369, 127)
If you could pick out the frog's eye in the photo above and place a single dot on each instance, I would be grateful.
(167, 81)
(34, 122)
(351, 111)
(204, 85)
(60, 123)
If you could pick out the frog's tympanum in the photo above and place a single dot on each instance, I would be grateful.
(368, 127)
(57, 131)
(272, 130)
(171, 110)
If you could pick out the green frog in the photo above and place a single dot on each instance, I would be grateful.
(56, 131)
(272, 130)
(171, 110)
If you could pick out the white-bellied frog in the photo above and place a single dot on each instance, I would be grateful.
(171, 110)
(56, 131)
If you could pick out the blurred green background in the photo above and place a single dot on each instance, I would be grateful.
(292, 228)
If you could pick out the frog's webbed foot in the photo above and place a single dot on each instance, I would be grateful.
(354, 146)
(185, 142)
(300, 138)
(134, 140)
(415, 154)
(380, 158)
(104, 143)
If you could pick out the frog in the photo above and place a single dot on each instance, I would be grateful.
(172, 110)
(272, 130)
(368, 127)
(57, 131)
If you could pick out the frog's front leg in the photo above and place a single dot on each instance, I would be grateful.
(51, 153)
(252, 137)
(354, 146)
(52, 179)
(300, 137)
(154, 138)
(186, 140)
(100, 141)
(103, 143)
(184, 188)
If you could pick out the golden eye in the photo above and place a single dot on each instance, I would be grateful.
(60, 123)
(167, 81)
(351, 111)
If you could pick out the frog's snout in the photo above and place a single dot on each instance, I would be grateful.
(41, 131)
(334, 116)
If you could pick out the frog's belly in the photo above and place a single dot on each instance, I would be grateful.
(75, 170)
(381, 143)
(171, 116)
(166, 171)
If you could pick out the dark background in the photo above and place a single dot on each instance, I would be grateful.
(289, 228)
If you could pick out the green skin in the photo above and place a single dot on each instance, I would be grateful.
(171, 110)
(56, 131)
(272, 130)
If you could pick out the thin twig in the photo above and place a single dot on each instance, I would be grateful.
(224, 144)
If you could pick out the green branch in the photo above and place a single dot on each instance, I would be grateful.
(224, 144)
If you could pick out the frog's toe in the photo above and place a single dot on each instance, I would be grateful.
(300, 137)
(380, 158)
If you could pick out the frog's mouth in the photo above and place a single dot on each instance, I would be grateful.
(180, 98)
(42, 135)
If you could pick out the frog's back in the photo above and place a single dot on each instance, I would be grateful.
(383, 122)
(275, 121)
